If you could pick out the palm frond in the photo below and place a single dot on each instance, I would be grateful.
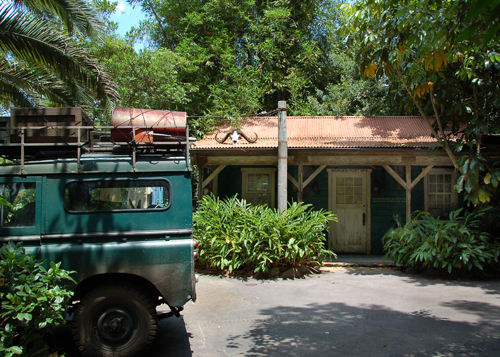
(13, 96)
(73, 13)
(40, 45)
(29, 87)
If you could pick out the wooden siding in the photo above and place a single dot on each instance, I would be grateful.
(391, 198)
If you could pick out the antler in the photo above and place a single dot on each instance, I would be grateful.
(225, 137)
(246, 137)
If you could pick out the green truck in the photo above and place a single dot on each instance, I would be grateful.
(119, 214)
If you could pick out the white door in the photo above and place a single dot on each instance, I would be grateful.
(349, 199)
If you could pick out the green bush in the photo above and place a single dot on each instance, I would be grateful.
(235, 235)
(454, 245)
(33, 302)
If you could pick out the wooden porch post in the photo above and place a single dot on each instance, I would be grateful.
(300, 193)
(408, 192)
(282, 157)
(213, 175)
(301, 184)
(204, 182)
(408, 185)
(201, 168)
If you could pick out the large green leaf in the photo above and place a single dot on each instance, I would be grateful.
(4, 202)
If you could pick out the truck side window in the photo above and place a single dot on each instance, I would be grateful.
(117, 195)
(22, 195)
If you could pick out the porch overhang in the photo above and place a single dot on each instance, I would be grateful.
(217, 160)
(331, 157)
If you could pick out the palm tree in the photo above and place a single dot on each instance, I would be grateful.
(43, 59)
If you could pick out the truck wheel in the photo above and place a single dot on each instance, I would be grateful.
(114, 320)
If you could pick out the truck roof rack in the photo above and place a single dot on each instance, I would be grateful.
(49, 133)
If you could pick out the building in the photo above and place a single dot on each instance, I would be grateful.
(364, 169)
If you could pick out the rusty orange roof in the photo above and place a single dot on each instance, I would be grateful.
(328, 132)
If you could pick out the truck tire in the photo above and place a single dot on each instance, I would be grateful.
(115, 320)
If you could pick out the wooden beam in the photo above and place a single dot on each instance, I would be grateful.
(292, 180)
(422, 175)
(395, 175)
(370, 160)
(340, 159)
(408, 185)
(201, 170)
(300, 194)
(313, 175)
(408, 192)
(302, 159)
(199, 160)
(245, 160)
(212, 175)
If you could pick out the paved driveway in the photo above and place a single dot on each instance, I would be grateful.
(342, 312)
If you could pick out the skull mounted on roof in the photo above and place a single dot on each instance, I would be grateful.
(235, 136)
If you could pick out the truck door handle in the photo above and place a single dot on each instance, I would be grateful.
(364, 219)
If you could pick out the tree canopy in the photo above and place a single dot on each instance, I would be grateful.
(221, 58)
(448, 62)
(248, 54)
(43, 59)
(436, 58)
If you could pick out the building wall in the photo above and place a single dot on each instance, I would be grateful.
(386, 202)
(230, 182)
(390, 201)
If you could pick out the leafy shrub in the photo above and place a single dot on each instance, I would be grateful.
(32, 301)
(457, 244)
(235, 235)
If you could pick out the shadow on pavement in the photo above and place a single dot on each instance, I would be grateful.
(337, 329)
(172, 340)
(489, 285)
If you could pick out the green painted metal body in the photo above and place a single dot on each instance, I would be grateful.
(144, 245)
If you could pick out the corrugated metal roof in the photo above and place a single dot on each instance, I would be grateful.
(328, 132)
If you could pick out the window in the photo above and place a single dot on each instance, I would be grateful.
(113, 195)
(440, 196)
(349, 190)
(259, 186)
(22, 196)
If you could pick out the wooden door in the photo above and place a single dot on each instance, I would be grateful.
(349, 199)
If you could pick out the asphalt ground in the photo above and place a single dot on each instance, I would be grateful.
(344, 311)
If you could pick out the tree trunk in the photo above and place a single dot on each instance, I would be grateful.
(440, 136)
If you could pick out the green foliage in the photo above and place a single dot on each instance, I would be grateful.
(445, 55)
(479, 178)
(455, 245)
(4, 202)
(222, 58)
(351, 94)
(235, 235)
(148, 79)
(482, 21)
(33, 301)
(43, 63)
(248, 54)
